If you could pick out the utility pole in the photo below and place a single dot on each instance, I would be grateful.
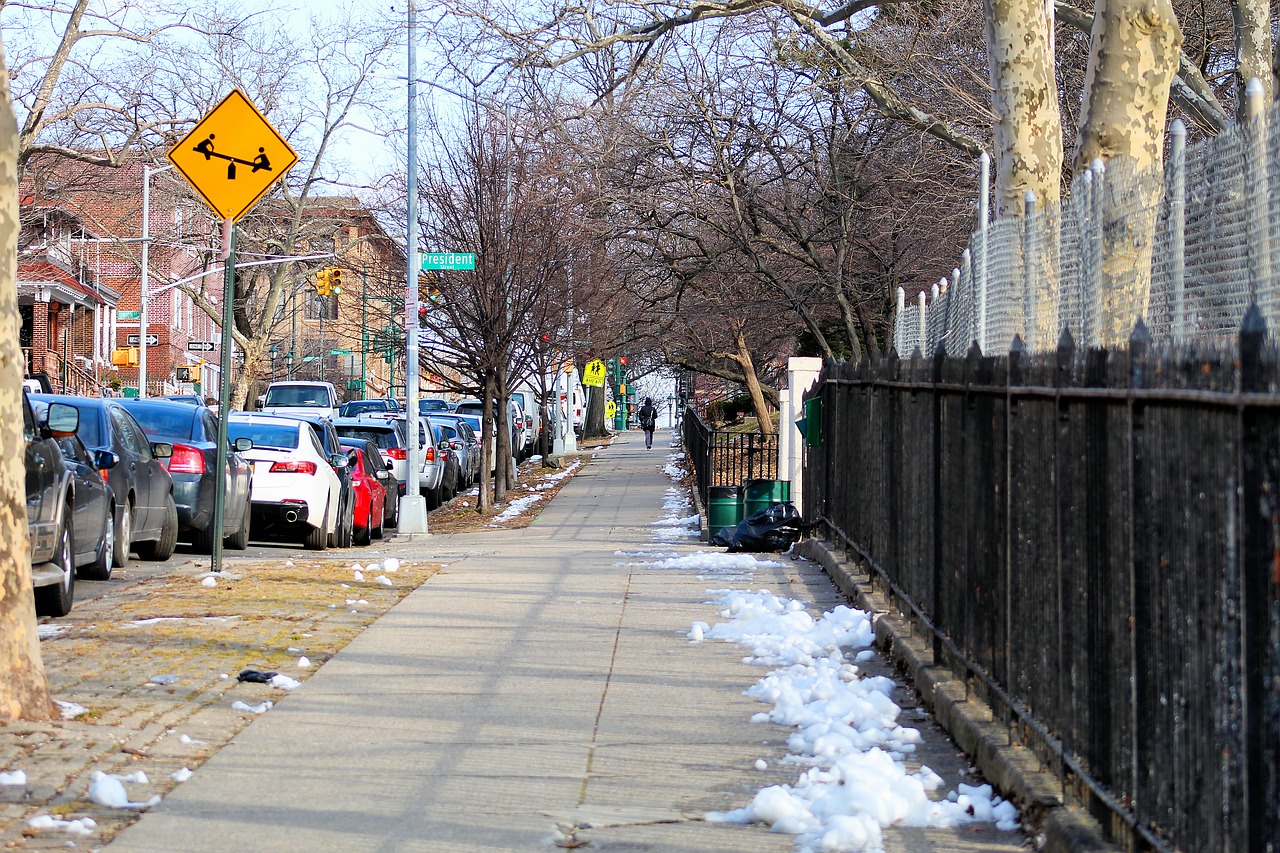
(413, 507)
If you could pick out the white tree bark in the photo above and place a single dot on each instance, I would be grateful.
(1252, 21)
(24, 690)
(1027, 132)
(1134, 55)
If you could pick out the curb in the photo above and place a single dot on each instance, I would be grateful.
(1014, 770)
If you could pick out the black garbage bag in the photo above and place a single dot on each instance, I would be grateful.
(775, 528)
(256, 676)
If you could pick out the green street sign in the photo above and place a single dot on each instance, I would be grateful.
(129, 315)
(339, 352)
(448, 261)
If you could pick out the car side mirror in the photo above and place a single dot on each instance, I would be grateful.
(339, 461)
(162, 450)
(243, 443)
(384, 474)
(62, 419)
(104, 459)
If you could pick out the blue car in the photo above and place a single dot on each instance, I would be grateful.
(193, 432)
(146, 515)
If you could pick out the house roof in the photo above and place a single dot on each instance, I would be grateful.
(36, 272)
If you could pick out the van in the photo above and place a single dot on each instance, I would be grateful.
(527, 399)
(301, 399)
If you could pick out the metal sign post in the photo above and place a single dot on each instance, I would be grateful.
(233, 134)
(224, 389)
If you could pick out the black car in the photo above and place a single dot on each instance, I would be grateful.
(193, 432)
(93, 527)
(332, 444)
(49, 486)
(146, 515)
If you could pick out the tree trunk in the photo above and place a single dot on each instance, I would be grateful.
(753, 384)
(488, 445)
(1252, 21)
(24, 690)
(506, 461)
(593, 425)
(1123, 121)
(1027, 134)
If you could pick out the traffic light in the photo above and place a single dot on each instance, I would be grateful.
(427, 290)
(323, 283)
(335, 281)
(183, 374)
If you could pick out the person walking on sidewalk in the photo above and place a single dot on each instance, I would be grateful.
(648, 421)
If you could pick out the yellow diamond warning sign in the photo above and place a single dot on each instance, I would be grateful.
(233, 156)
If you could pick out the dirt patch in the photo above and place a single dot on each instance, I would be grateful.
(152, 670)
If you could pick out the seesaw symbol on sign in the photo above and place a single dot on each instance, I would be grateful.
(205, 147)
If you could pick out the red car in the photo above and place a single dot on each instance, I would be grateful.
(371, 493)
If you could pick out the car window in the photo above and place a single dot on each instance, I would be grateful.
(73, 448)
(210, 424)
(316, 444)
(28, 421)
(273, 436)
(136, 434)
(165, 420)
(122, 433)
(381, 438)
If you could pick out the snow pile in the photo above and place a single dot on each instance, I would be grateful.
(674, 521)
(260, 708)
(846, 732)
(70, 710)
(82, 826)
(515, 508)
(108, 790)
(182, 775)
(15, 777)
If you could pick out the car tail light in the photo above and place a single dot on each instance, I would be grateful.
(186, 460)
(398, 453)
(293, 466)
(430, 454)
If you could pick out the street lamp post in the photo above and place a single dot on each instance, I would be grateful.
(288, 365)
(147, 172)
(273, 352)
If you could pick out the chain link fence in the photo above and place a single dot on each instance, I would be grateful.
(1185, 249)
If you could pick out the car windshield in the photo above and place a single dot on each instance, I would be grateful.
(382, 438)
(469, 408)
(352, 409)
(298, 395)
(277, 436)
(163, 420)
(432, 405)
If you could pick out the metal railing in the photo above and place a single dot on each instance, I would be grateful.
(725, 458)
(1091, 536)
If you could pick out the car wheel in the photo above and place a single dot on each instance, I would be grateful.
(124, 536)
(55, 600)
(348, 532)
(317, 538)
(100, 568)
(202, 540)
(382, 520)
(362, 535)
(162, 548)
(240, 539)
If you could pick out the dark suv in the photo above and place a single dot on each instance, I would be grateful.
(49, 507)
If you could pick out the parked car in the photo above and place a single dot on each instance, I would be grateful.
(466, 444)
(189, 399)
(93, 527)
(387, 434)
(431, 468)
(374, 463)
(515, 423)
(527, 399)
(442, 437)
(295, 486)
(432, 405)
(332, 444)
(473, 421)
(146, 515)
(49, 485)
(193, 432)
(370, 479)
(301, 399)
(361, 407)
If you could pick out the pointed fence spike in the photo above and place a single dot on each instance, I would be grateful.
(975, 351)
(1017, 345)
(1253, 323)
(1065, 341)
(1141, 334)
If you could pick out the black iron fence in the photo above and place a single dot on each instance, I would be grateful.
(1094, 539)
(725, 458)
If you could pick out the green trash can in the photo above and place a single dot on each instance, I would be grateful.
(762, 494)
(724, 508)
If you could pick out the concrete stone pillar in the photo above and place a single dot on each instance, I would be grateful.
(802, 372)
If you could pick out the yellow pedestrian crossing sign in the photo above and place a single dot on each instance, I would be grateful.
(610, 409)
(233, 156)
(593, 375)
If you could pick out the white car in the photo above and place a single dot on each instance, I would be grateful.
(294, 484)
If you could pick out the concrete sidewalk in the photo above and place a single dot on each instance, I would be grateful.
(536, 694)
